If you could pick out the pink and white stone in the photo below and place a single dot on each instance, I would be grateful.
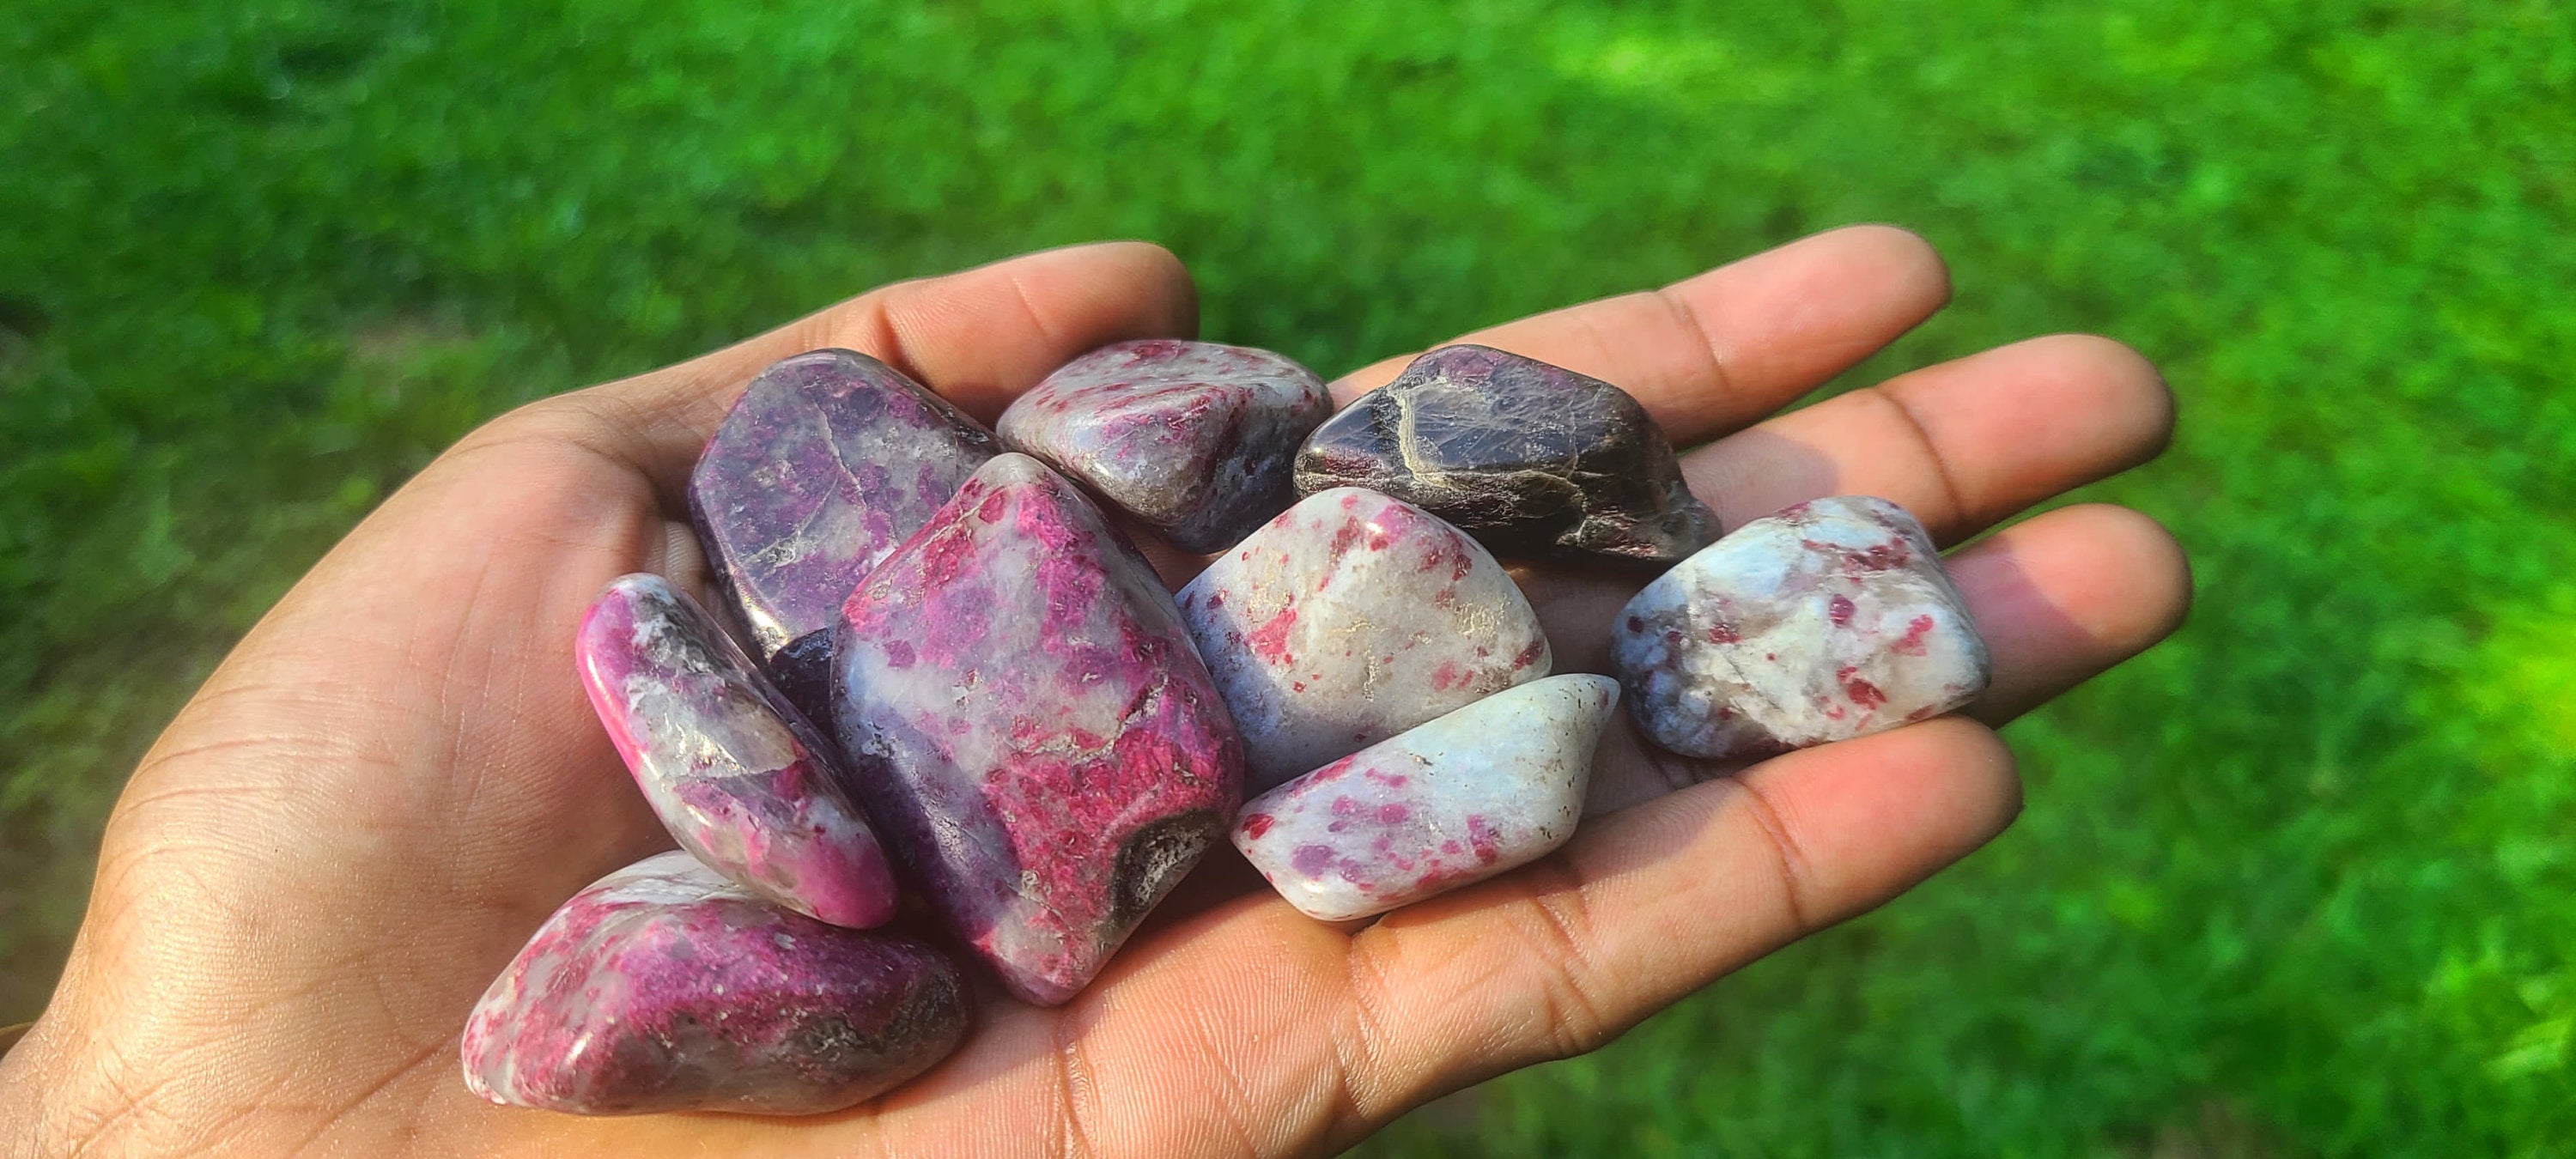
(1350, 618)
(828, 460)
(1829, 620)
(665, 987)
(1490, 787)
(1030, 726)
(1194, 439)
(736, 774)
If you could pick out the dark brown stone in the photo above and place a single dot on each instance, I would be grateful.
(1532, 459)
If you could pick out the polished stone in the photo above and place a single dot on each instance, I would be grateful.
(1194, 439)
(1031, 727)
(737, 774)
(1350, 618)
(1532, 459)
(1829, 620)
(828, 460)
(664, 987)
(1490, 787)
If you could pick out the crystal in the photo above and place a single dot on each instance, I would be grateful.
(1532, 459)
(1829, 620)
(1031, 727)
(1194, 439)
(1350, 618)
(828, 460)
(736, 773)
(665, 987)
(1492, 786)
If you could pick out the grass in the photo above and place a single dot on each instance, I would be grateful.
(2302, 881)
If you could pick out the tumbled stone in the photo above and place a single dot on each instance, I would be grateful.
(1490, 787)
(1030, 726)
(1350, 618)
(664, 987)
(1194, 439)
(736, 774)
(829, 460)
(1532, 459)
(1829, 620)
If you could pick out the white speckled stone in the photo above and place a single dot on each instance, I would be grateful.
(1350, 618)
(1829, 620)
(1492, 786)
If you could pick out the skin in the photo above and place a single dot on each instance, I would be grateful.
(393, 779)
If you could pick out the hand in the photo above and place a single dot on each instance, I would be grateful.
(394, 778)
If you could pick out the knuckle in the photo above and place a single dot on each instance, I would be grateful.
(1359, 1041)
(1577, 1019)
(551, 419)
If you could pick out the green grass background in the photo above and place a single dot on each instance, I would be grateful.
(2301, 881)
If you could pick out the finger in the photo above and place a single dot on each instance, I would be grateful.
(1961, 444)
(1719, 350)
(978, 337)
(2064, 596)
(1647, 905)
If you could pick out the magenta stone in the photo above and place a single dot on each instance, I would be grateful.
(1827, 621)
(1351, 618)
(1495, 785)
(1194, 439)
(829, 460)
(739, 777)
(1031, 726)
(664, 987)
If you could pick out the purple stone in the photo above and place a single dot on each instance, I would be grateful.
(1351, 618)
(1032, 729)
(1194, 439)
(1827, 621)
(829, 460)
(664, 987)
(1495, 785)
(739, 777)
(1532, 459)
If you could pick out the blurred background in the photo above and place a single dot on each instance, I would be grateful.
(2301, 881)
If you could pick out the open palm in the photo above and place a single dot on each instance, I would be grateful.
(394, 778)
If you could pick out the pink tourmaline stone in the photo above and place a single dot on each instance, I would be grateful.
(739, 777)
(664, 987)
(829, 460)
(1829, 620)
(1492, 786)
(1350, 618)
(1031, 727)
(1192, 438)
